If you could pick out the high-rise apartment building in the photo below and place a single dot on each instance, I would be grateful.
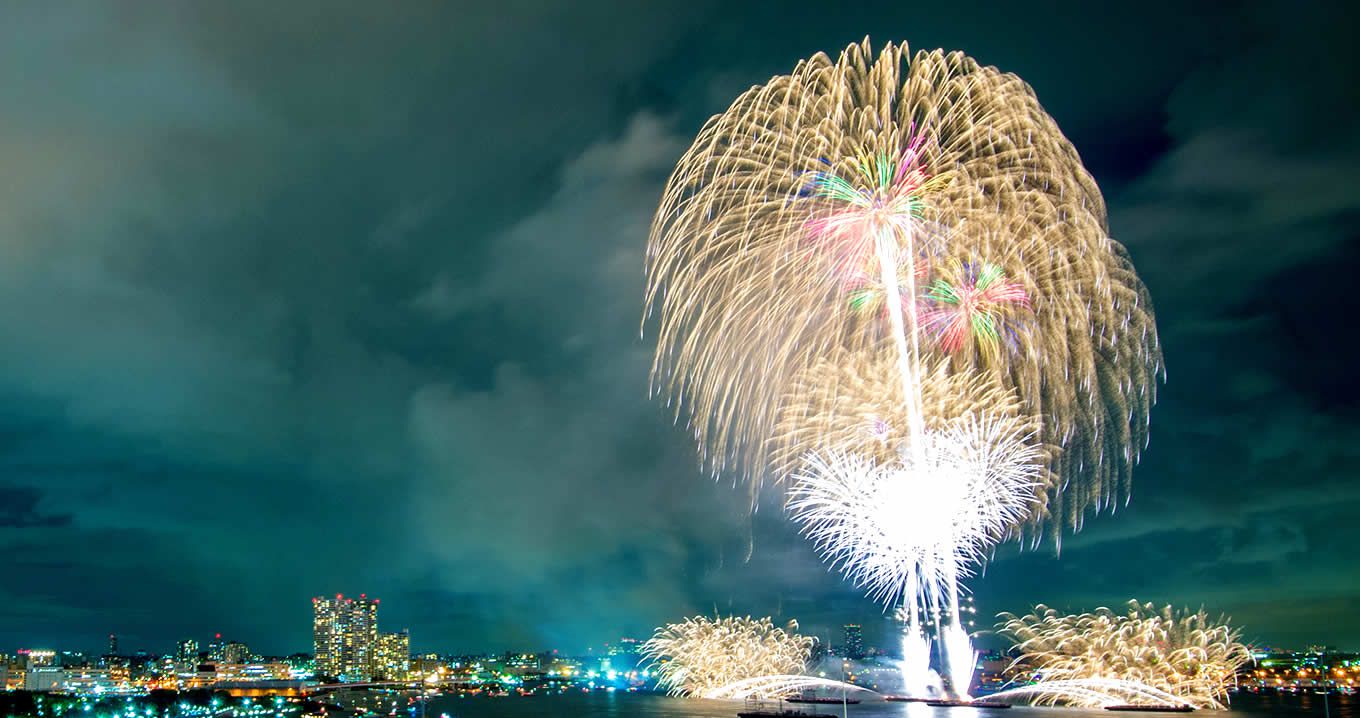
(394, 656)
(345, 636)
(215, 649)
(854, 641)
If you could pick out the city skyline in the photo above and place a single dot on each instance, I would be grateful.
(848, 639)
(300, 303)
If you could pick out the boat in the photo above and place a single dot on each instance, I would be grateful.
(948, 703)
(828, 700)
(760, 709)
(1152, 708)
(906, 699)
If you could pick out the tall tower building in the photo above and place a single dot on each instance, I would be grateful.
(113, 644)
(394, 656)
(326, 627)
(215, 648)
(345, 636)
(854, 641)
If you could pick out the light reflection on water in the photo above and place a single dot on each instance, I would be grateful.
(633, 705)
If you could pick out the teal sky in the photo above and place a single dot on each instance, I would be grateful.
(304, 298)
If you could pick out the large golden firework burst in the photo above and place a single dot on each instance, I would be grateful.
(1186, 654)
(701, 654)
(759, 272)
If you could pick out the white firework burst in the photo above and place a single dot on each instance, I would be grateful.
(908, 526)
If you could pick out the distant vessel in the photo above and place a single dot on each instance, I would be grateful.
(948, 703)
(1152, 708)
(781, 713)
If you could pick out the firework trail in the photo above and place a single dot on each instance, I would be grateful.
(1179, 653)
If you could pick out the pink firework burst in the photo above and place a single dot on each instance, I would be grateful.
(977, 306)
(884, 193)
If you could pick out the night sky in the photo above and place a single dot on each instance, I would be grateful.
(306, 298)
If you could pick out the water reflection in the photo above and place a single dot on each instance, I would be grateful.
(634, 705)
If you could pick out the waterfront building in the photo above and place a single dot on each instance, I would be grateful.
(215, 649)
(236, 653)
(520, 663)
(91, 681)
(71, 659)
(429, 667)
(253, 672)
(11, 672)
(991, 671)
(626, 654)
(1311, 670)
(345, 636)
(44, 678)
(854, 641)
(186, 651)
(394, 656)
(301, 665)
(37, 657)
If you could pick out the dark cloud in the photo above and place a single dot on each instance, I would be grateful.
(1239, 228)
(312, 298)
(19, 509)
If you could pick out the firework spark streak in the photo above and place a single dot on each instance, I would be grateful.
(915, 665)
(770, 687)
(1183, 654)
(701, 656)
(959, 658)
(1090, 693)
